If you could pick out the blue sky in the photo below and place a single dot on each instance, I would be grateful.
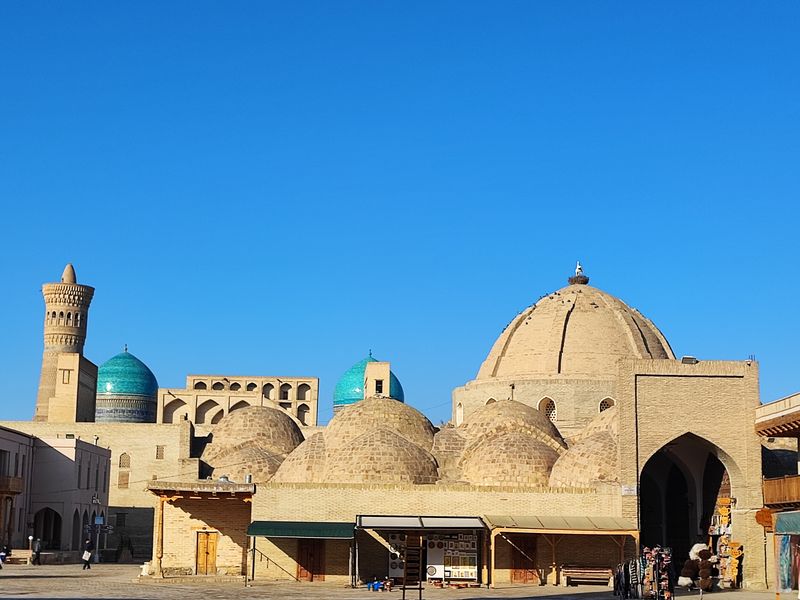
(276, 188)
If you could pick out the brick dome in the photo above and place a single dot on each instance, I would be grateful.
(592, 457)
(510, 458)
(378, 440)
(381, 456)
(306, 464)
(591, 461)
(251, 459)
(268, 428)
(509, 415)
(373, 414)
(577, 330)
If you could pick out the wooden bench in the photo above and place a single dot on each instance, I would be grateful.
(570, 574)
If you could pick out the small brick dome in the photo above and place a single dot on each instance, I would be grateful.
(381, 456)
(509, 458)
(268, 428)
(247, 460)
(306, 464)
(591, 461)
(509, 415)
(374, 414)
(592, 457)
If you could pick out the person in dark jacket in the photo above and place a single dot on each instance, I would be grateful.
(88, 548)
(37, 552)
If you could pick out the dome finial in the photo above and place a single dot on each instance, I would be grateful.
(68, 276)
(125, 348)
(579, 278)
(370, 352)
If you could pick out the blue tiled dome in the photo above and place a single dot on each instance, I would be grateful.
(350, 387)
(126, 390)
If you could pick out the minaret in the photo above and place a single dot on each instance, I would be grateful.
(65, 320)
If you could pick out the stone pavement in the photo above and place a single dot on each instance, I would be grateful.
(120, 581)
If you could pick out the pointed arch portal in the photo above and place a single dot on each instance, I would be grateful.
(679, 488)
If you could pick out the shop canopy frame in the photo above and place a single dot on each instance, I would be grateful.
(553, 528)
(417, 522)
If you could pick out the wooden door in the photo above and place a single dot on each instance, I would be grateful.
(310, 559)
(207, 552)
(523, 554)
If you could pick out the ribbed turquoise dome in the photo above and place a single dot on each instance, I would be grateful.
(350, 387)
(127, 375)
(126, 391)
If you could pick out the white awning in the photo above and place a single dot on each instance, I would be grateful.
(417, 522)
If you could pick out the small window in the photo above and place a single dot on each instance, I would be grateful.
(124, 461)
(121, 519)
(549, 410)
(251, 387)
(235, 387)
(124, 478)
(285, 391)
(159, 452)
(605, 404)
(69, 319)
(286, 405)
(200, 385)
(77, 319)
(379, 386)
(65, 376)
(218, 385)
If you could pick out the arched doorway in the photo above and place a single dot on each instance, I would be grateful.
(681, 487)
(47, 527)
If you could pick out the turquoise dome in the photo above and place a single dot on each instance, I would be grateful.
(126, 391)
(350, 387)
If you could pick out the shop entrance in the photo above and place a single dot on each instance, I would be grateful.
(683, 489)
(207, 552)
(310, 559)
(523, 559)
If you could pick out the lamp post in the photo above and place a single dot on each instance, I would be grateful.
(96, 501)
(30, 549)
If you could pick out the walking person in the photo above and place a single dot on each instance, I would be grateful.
(88, 547)
(37, 552)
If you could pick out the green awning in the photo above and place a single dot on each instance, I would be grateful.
(788, 522)
(322, 530)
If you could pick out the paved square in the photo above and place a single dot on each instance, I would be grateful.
(120, 581)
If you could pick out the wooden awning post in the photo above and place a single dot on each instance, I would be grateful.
(493, 549)
(158, 572)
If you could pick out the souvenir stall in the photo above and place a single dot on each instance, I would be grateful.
(451, 546)
(719, 541)
(650, 576)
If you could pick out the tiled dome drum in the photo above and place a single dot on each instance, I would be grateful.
(126, 391)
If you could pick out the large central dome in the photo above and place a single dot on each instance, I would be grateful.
(578, 330)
